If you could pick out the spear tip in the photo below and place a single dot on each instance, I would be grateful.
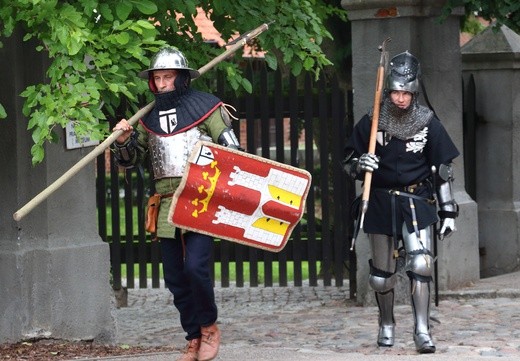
(383, 44)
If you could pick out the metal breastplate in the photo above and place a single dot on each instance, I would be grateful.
(170, 154)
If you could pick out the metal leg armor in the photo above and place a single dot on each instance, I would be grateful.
(382, 279)
(386, 334)
(421, 310)
(420, 269)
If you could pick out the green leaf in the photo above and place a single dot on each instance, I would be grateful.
(3, 113)
(191, 7)
(105, 12)
(278, 41)
(145, 24)
(123, 38)
(123, 9)
(288, 55)
(247, 85)
(146, 7)
(308, 63)
(74, 46)
(113, 87)
(36, 135)
(271, 60)
(37, 153)
(296, 68)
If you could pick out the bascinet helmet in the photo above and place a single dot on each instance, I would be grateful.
(169, 58)
(403, 73)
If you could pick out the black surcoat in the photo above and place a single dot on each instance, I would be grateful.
(402, 163)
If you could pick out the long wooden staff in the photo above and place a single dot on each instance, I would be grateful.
(98, 150)
(373, 130)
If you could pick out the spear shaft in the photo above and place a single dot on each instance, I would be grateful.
(363, 205)
(100, 149)
(373, 130)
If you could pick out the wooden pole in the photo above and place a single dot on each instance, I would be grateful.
(373, 130)
(98, 150)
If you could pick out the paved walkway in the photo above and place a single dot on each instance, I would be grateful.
(481, 322)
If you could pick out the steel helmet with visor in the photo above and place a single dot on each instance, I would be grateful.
(403, 73)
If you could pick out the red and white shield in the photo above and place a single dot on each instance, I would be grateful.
(240, 197)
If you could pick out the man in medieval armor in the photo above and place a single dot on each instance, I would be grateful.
(181, 116)
(411, 176)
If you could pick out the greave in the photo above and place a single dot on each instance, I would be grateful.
(385, 302)
(421, 311)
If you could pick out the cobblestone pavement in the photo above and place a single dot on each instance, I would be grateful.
(481, 321)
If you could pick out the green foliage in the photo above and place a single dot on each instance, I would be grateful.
(472, 25)
(501, 12)
(96, 50)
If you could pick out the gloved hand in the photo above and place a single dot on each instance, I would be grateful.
(447, 227)
(368, 162)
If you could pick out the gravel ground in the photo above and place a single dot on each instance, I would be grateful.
(47, 350)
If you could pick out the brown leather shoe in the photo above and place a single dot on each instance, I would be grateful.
(191, 350)
(209, 342)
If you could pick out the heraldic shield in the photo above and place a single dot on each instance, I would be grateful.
(240, 197)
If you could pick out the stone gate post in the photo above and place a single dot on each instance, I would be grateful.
(54, 268)
(492, 58)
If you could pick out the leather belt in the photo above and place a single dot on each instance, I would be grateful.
(411, 188)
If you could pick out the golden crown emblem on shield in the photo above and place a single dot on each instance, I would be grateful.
(209, 191)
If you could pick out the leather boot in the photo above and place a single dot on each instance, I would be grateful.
(191, 351)
(210, 342)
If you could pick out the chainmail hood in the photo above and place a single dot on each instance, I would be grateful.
(403, 123)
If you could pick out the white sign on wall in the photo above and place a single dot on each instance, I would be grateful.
(75, 142)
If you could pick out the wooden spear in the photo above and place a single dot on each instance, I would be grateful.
(373, 130)
(98, 150)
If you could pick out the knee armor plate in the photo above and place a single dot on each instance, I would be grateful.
(420, 265)
(381, 281)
